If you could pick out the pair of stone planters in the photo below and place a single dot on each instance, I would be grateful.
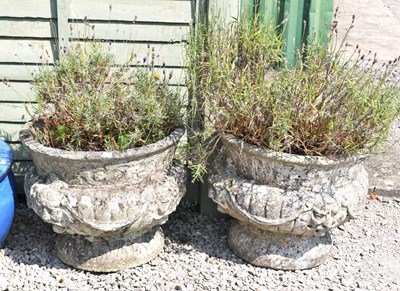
(106, 207)
(284, 205)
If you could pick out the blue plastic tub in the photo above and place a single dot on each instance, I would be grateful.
(7, 191)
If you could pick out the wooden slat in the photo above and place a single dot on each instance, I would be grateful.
(225, 9)
(15, 112)
(132, 32)
(16, 92)
(133, 10)
(23, 93)
(26, 72)
(26, 51)
(62, 21)
(9, 131)
(178, 75)
(28, 8)
(171, 54)
(18, 72)
(27, 28)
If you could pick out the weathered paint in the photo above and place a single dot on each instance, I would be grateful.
(170, 11)
(15, 92)
(18, 73)
(133, 31)
(28, 8)
(26, 51)
(17, 27)
(15, 112)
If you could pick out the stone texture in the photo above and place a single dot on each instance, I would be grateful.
(101, 254)
(276, 250)
(128, 167)
(105, 210)
(287, 194)
(103, 204)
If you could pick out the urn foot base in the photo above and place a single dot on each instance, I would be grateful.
(97, 254)
(278, 251)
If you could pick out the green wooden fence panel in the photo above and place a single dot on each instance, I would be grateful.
(301, 20)
(248, 8)
(320, 15)
(291, 13)
(270, 11)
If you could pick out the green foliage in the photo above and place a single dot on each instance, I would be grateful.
(228, 67)
(327, 105)
(334, 105)
(88, 102)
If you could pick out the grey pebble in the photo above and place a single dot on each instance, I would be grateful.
(197, 257)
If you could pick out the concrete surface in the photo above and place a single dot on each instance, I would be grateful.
(377, 28)
(384, 169)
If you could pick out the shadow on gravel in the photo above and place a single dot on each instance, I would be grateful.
(205, 234)
(31, 241)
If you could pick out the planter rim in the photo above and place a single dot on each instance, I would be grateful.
(27, 137)
(262, 153)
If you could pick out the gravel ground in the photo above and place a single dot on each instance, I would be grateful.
(365, 256)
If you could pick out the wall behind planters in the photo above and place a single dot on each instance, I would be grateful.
(32, 32)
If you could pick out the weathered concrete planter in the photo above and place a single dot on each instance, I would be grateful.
(284, 205)
(106, 207)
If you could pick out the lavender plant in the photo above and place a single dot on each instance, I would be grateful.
(329, 104)
(88, 102)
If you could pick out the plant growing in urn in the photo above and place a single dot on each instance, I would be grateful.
(103, 142)
(294, 140)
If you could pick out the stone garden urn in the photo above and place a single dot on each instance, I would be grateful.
(284, 205)
(106, 207)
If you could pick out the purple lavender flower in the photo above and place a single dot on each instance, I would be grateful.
(69, 39)
(64, 49)
(144, 59)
